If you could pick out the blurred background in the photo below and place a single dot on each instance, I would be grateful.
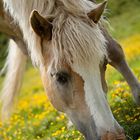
(34, 117)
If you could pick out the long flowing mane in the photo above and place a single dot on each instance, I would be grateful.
(69, 30)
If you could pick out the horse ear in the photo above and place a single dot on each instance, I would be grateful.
(96, 13)
(41, 26)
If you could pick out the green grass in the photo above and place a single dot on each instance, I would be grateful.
(126, 24)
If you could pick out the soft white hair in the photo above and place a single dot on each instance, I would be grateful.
(77, 40)
(21, 10)
(15, 66)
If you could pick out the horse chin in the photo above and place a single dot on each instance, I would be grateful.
(89, 134)
(85, 125)
(89, 131)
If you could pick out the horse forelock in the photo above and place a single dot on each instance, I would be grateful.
(77, 40)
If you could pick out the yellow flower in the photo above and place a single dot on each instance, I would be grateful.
(132, 46)
(126, 95)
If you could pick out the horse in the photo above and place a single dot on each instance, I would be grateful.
(69, 43)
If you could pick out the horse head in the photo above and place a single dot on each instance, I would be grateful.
(74, 53)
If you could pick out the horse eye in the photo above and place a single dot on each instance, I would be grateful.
(62, 77)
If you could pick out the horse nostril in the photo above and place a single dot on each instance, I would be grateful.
(62, 77)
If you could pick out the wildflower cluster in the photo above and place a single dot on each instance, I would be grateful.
(132, 47)
(36, 119)
(124, 109)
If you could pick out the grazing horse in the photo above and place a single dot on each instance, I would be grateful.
(67, 41)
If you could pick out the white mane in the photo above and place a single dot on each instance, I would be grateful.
(91, 36)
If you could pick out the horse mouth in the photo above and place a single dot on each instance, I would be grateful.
(89, 135)
(88, 129)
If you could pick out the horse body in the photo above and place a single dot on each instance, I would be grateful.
(70, 47)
